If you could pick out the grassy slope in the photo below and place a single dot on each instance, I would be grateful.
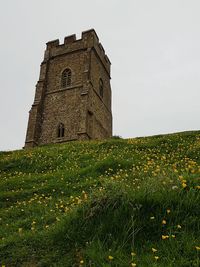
(82, 203)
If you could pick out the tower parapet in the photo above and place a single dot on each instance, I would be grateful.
(89, 39)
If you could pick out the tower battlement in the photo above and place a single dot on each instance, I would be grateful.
(89, 39)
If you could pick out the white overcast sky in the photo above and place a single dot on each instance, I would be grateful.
(154, 47)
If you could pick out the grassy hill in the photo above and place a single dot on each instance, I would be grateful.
(117, 202)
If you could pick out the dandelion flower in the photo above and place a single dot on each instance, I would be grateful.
(165, 237)
(110, 257)
(154, 250)
(184, 185)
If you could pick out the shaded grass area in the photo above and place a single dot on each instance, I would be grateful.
(117, 202)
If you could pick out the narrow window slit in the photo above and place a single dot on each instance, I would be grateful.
(61, 130)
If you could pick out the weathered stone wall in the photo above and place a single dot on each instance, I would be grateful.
(98, 71)
(101, 106)
(74, 61)
(84, 113)
(61, 107)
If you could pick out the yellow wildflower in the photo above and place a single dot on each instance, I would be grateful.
(165, 237)
(179, 226)
(133, 253)
(198, 186)
(154, 250)
(164, 222)
(110, 257)
(156, 257)
(133, 264)
(173, 236)
(152, 217)
(81, 261)
(168, 211)
(184, 185)
(84, 195)
(197, 248)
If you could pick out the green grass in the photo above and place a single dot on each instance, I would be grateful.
(102, 203)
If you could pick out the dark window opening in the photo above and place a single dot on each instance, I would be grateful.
(66, 78)
(61, 130)
(101, 88)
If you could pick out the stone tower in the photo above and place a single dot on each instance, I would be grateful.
(73, 94)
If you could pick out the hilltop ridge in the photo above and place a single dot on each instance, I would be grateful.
(116, 202)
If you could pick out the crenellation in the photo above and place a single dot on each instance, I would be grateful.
(70, 39)
(69, 48)
(52, 44)
(89, 39)
(90, 34)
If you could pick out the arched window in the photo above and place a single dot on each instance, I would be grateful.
(66, 78)
(61, 130)
(101, 88)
